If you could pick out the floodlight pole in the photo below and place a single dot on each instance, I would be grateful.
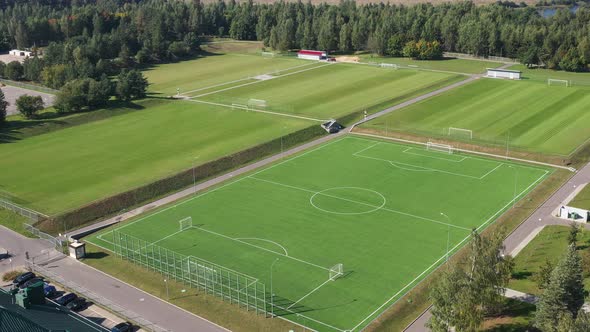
(272, 295)
(448, 233)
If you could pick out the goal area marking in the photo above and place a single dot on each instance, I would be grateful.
(554, 81)
(453, 131)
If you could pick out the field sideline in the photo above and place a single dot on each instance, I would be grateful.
(379, 196)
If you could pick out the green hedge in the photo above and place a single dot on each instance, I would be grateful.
(134, 197)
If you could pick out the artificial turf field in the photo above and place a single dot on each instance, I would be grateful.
(323, 90)
(387, 212)
(528, 115)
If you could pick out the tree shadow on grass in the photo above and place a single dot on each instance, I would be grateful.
(520, 275)
(505, 321)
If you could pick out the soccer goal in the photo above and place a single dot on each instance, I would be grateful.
(336, 271)
(553, 81)
(257, 103)
(268, 54)
(460, 132)
(186, 223)
(239, 106)
(389, 65)
(444, 148)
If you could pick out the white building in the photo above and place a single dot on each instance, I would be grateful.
(20, 53)
(504, 73)
(312, 55)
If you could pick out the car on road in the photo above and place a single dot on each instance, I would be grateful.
(66, 299)
(77, 304)
(21, 279)
(123, 327)
(49, 290)
(31, 282)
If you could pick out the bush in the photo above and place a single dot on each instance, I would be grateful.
(14, 71)
(11, 275)
(28, 106)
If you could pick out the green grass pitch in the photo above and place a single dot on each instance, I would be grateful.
(67, 168)
(532, 116)
(386, 211)
(324, 91)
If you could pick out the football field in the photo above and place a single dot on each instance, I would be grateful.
(274, 240)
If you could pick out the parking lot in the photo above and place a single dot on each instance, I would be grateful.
(11, 93)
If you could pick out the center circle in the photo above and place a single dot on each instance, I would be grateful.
(347, 200)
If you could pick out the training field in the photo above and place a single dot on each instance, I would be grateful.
(67, 168)
(527, 115)
(326, 90)
(387, 212)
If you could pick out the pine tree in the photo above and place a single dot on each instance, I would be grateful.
(3, 106)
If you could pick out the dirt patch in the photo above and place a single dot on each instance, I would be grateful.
(7, 58)
(12, 93)
(353, 59)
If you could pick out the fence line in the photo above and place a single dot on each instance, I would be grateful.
(475, 57)
(229, 285)
(29, 86)
(58, 243)
(33, 215)
(95, 298)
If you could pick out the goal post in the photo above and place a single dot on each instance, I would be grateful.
(389, 65)
(239, 106)
(260, 103)
(554, 81)
(185, 223)
(444, 148)
(336, 271)
(268, 54)
(460, 132)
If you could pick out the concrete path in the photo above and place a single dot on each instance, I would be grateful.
(522, 235)
(16, 245)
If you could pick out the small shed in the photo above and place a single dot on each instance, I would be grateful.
(504, 73)
(20, 53)
(77, 249)
(312, 55)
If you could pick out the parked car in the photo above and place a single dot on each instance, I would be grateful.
(77, 304)
(49, 290)
(21, 279)
(30, 282)
(66, 299)
(123, 327)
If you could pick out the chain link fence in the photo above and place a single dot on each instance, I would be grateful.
(32, 215)
(96, 299)
(29, 86)
(475, 57)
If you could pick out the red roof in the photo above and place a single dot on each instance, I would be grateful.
(308, 52)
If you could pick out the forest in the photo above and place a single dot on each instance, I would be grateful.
(89, 39)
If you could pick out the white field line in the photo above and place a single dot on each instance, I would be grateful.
(308, 294)
(307, 318)
(269, 241)
(453, 249)
(239, 80)
(427, 156)
(234, 106)
(160, 240)
(357, 202)
(261, 248)
(230, 183)
(258, 81)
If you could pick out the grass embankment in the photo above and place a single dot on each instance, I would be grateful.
(582, 199)
(523, 115)
(14, 222)
(70, 167)
(550, 244)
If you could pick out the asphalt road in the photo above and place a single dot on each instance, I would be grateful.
(11, 93)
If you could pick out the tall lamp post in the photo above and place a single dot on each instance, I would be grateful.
(272, 294)
(448, 233)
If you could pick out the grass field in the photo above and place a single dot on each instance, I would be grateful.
(582, 199)
(387, 212)
(550, 244)
(70, 167)
(532, 117)
(447, 64)
(211, 70)
(324, 91)
(541, 75)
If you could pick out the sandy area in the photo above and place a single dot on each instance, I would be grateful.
(348, 59)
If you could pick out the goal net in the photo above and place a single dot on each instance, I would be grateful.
(460, 132)
(444, 148)
(268, 54)
(256, 103)
(336, 271)
(389, 65)
(186, 223)
(553, 81)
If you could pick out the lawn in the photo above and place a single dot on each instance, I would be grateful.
(446, 64)
(541, 75)
(212, 70)
(14, 221)
(582, 199)
(551, 243)
(388, 212)
(531, 117)
(67, 168)
(324, 91)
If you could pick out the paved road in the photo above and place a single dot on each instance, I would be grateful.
(520, 237)
(17, 245)
(12, 93)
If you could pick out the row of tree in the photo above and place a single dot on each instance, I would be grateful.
(88, 39)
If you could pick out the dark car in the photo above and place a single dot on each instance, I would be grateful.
(123, 327)
(66, 299)
(49, 290)
(21, 279)
(77, 304)
(31, 282)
